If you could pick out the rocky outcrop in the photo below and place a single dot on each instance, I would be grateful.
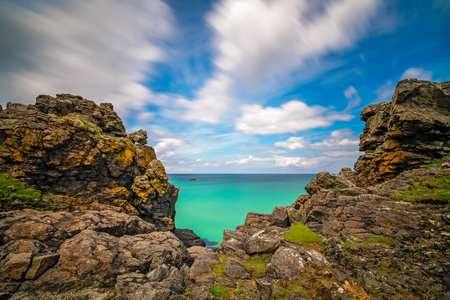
(58, 252)
(411, 130)
(70, 147)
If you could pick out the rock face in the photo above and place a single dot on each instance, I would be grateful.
(411, 130)
(61, 251)
(72, 147)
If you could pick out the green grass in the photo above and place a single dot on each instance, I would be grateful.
(301, 234)
(432, 188)
(257, 265)
(14, 195)
(219, 291)
(219, 269)
(382, 239)
(351, 245)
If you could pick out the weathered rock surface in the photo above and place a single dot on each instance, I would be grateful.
(411, 130)
(287, 264)
(71, 147)
(57, 252)
(325, 180)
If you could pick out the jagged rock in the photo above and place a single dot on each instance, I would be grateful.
(233, 243)
(204, 254)
(79, 249)
(325, 180)
(199, 268)
(411, 130)
(41, 264)
(72, 148)
(264, 286)
(280, 216)
(294, 215)
(287, 264)
(235, 270)
(14, 266)
(263, 241)
(317, 260)
(139, 136)
(201, 293)
(255, 219)
(226, 282)
(348, 174)
(189, 238)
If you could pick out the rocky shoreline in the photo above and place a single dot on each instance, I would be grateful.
(379, 232)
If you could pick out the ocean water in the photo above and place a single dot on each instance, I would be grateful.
(215, 202)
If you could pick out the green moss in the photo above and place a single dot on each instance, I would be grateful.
(14, 195)
(301, 234)
(85, 125)
(382, 239)
(351, 245)
(219, 291)
(432, 188)
(257, 265)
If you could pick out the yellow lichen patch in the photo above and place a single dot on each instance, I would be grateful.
(426, 116)
(125, 158)
(75, 158)
(392, 145)
(110, 145)
(118, 192)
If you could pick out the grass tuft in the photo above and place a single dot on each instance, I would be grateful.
(219, 291)
(301, 234)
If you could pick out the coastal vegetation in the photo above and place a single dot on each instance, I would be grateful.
(14, 195)
(300, 234)
(430, 189)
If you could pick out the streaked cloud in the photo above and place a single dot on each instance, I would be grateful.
(353, 97)
(417, 73)
(293, 116)
(102, 50)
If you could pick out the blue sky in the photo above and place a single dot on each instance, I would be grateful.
(228, 86)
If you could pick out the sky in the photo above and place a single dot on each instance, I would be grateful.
(228, 86)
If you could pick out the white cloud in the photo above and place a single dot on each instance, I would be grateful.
(101, 50)
(166, 146)
(339, 139)
(294, 143)
(260, 38)
(211, 101)
(353, 97)
(417, 73)
(385, 91)
(293, 116)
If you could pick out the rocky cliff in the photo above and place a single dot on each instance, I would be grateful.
(79, 155)
(411, 130)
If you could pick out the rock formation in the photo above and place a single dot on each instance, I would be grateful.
(71, 147)
(411, 130)
(72, 253)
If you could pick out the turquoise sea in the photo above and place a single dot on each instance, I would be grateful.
(215, 202)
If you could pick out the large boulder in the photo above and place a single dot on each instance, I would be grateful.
(287, 264)
(411, 130)
(73, 148)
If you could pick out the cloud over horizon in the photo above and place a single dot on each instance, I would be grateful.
(102, 50)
